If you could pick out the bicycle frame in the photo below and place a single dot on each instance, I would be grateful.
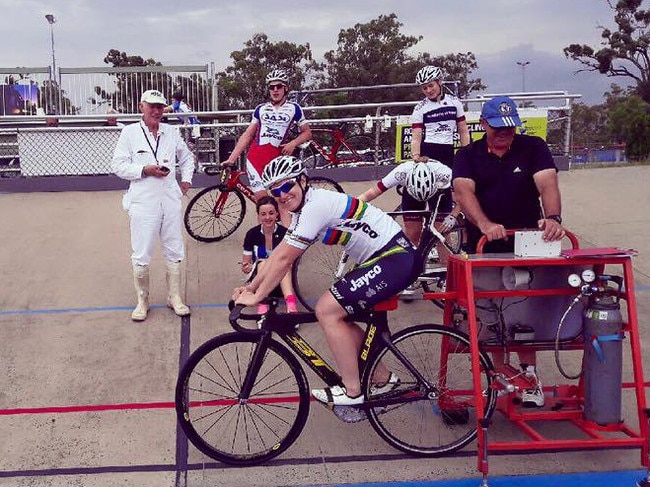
(338, 137)
(429, 220)
(339, 141)
(231, 180)
(377, 334)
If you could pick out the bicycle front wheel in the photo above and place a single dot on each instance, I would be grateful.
(234, 430)
(214, 214)
(429, 422)
(311, 158)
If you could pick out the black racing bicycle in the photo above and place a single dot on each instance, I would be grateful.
(243, 398)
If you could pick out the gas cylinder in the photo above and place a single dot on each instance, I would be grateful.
(603, 363)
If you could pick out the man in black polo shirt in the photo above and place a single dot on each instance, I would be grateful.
(498, 182)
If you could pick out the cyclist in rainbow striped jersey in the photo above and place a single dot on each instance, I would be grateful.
(371, 237)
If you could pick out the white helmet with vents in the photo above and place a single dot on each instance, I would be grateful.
(421, 182)
(281, 168)
(277, 75)
(428, 74)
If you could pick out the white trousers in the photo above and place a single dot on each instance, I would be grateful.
(152, 221)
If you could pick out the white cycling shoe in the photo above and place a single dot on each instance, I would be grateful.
(336, 396)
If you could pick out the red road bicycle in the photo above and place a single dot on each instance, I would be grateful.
(330, 147)
(217, 211)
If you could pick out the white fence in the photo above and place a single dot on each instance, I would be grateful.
(72, 149)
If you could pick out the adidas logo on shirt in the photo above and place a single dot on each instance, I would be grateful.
(517, 169)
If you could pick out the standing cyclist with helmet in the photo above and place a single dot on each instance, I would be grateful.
(267, 133)
(370, 236)
(434, 122)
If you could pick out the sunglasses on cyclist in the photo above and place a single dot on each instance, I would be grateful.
(283, 188)
(276, 87)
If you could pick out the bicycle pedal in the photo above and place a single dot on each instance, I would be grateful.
(349, 414)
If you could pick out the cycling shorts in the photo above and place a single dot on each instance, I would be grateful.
(254, 178)
(411, 204)
(386, 273)
(440, 152)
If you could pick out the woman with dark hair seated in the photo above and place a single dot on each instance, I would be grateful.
(258, 245)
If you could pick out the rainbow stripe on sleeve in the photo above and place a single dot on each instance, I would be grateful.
(354, 210)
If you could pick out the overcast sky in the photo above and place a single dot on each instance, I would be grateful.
(498, 32)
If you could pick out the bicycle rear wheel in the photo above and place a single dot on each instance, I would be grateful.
(439, 421)
(235, 431)
(315, 271)
(214, 214)
(325, 183)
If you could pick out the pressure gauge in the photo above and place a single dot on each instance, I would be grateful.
(588, 275)
(574, 280)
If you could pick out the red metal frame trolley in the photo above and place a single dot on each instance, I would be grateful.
(565, 402)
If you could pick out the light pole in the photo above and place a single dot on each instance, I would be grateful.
(51, 20)
(523, 65)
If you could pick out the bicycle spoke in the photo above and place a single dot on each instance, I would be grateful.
(434, 421)
(213, 215)
(231, 428)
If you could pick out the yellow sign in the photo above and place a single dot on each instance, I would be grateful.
(534, 122)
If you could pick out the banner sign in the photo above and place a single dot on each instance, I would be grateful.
(534, 122)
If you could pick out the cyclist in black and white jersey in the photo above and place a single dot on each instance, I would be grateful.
(436, 120)
(387, 265)
(434, 123)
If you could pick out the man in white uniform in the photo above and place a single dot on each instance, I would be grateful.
(146, 155)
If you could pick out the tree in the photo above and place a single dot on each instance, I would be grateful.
(377, 53)
(242, 85)
(589, 125)
(130, 84)
(624, 51)
(142, 74)
(629, 122)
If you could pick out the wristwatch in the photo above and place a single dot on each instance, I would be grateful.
(556, 218)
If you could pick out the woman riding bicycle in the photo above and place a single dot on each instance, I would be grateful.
(370, 236)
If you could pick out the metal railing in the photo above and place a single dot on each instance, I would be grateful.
(77, 142)
(84, 91)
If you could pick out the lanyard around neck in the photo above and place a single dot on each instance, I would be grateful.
(155, 151)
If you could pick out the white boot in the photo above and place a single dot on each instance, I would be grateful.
(141, 282)
(174, 300)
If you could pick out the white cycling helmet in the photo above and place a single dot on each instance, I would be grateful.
(277, 75)
(428, 74)
(281, 168)
(421, 182)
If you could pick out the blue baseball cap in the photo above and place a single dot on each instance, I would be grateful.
(501, 111)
